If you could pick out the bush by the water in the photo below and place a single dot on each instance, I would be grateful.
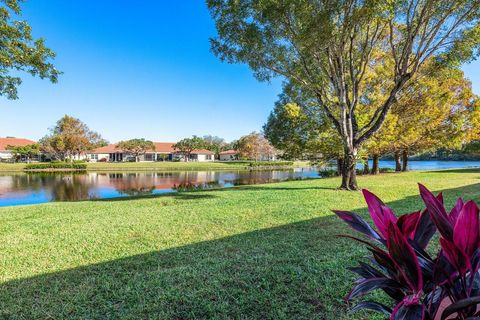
(271, 163)
(75, 165)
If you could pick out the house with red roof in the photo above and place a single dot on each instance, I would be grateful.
(228, 155)
(164, 151)
(5, 143)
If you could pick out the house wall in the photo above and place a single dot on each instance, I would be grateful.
(205, 157)
(266, 157)
(94, 157)
(5, 154)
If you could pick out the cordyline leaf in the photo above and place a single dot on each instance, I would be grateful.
(367, 285)
(425, 230)
(383, 260)
(443, 270)
(466, 231)
(434, 299)
(358, 224)
(456, 211)
(460, 305)
(404, 258)
(475, 259)
(372, 305)
(380, 214)
(440, 197)
(408, 224)
(408, 312)
(366, 271)
(437, 213)
(455, 256)
(424, 260)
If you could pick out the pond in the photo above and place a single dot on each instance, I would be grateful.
(21, 188)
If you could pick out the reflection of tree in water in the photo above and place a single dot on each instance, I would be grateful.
(71, 187)
(60, 187)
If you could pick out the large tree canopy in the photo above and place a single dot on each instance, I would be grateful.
(325, 48)
(19, 51)
(187, 145)
(70, 138)
(136, 147)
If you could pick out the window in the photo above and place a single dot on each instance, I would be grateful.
(94, 156)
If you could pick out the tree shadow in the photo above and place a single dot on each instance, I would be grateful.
(190, 195)
(291, 271)
(465, 170)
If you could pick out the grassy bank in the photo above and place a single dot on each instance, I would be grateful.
(163, 166)
(263, 251)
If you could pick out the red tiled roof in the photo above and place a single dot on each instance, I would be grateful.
(18, 142)
(160, 147)
(227, 152)
(202, 151)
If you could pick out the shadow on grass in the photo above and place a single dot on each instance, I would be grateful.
(192, 195)
(464, 170)
(292, 271)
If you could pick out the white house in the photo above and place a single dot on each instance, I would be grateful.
(228, 155)
(7, 155)
(164, 151)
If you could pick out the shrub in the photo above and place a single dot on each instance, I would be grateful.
(270, 163)
(56, 165)
(419, 284)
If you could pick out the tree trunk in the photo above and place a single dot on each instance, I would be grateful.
(366, 168)
(398, 165)
(339, 166)
(375, 165)
(349, 174)
(405, 160)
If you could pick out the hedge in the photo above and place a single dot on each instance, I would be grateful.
(57, 165)
(271, 163)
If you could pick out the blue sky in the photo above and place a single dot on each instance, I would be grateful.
(139, 69)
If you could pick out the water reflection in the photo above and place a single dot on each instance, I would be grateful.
(45, 187)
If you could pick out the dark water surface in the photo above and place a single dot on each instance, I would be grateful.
(21, 188)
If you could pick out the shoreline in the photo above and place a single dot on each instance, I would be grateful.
(156, 166)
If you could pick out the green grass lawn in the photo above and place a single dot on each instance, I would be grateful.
(11, 166)
(166, 166)
(263, 251)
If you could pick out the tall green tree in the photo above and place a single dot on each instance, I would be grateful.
(70, 138)
(136, 147)
(188, 145)
(19, 51)
(325, 47)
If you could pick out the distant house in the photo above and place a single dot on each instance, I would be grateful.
(7, 155)
(164, 151)
(228, 155)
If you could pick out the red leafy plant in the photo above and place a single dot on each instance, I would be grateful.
(422, 286)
